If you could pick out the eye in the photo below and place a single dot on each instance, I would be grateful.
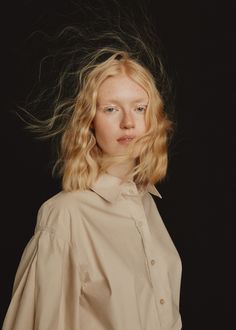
(141, 108)
(110, 109)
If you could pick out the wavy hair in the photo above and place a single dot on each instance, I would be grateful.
(81, 157)
(80, 160)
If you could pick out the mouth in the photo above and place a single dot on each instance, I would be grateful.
(125, 139)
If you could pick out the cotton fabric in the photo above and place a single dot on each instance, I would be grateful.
(100, 259)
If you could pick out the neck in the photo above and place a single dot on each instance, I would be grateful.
(120, 170)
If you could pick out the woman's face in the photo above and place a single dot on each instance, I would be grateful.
(120, 115)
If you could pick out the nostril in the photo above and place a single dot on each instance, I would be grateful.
(127, 125)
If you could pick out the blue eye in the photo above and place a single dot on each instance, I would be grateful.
(110, 109)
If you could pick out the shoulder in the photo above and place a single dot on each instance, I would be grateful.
(60, 214)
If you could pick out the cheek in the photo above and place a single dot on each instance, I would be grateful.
(103, 124)
(141, 126)
(101, 136)
(104, 140)
(103, 131)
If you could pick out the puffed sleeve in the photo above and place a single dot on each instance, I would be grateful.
(47, 285)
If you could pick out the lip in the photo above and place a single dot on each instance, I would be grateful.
(125, 138)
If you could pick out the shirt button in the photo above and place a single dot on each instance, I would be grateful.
(131, 191)
(140, 223)
(153, 262)
(162, 301)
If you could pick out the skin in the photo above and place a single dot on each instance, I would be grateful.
(121, 106)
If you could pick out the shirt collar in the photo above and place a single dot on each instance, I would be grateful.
(110, 187)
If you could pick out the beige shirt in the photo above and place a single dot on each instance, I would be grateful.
(100, 259)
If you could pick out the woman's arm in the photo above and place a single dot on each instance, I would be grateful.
(47, 284)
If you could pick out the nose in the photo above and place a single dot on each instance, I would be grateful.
(127, 121)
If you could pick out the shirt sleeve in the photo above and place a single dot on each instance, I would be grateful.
(47, 285)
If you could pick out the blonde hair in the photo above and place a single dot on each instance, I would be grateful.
(80, 159)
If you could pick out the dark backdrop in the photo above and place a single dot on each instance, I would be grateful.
(197, 204)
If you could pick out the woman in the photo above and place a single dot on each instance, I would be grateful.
(101, 257)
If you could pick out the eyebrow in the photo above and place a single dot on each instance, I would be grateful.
(113, 101)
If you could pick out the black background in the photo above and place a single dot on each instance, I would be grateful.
(198, 193)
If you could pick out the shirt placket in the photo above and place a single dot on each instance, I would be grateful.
(138, 215)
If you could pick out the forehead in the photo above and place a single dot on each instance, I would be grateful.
(121, 88)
